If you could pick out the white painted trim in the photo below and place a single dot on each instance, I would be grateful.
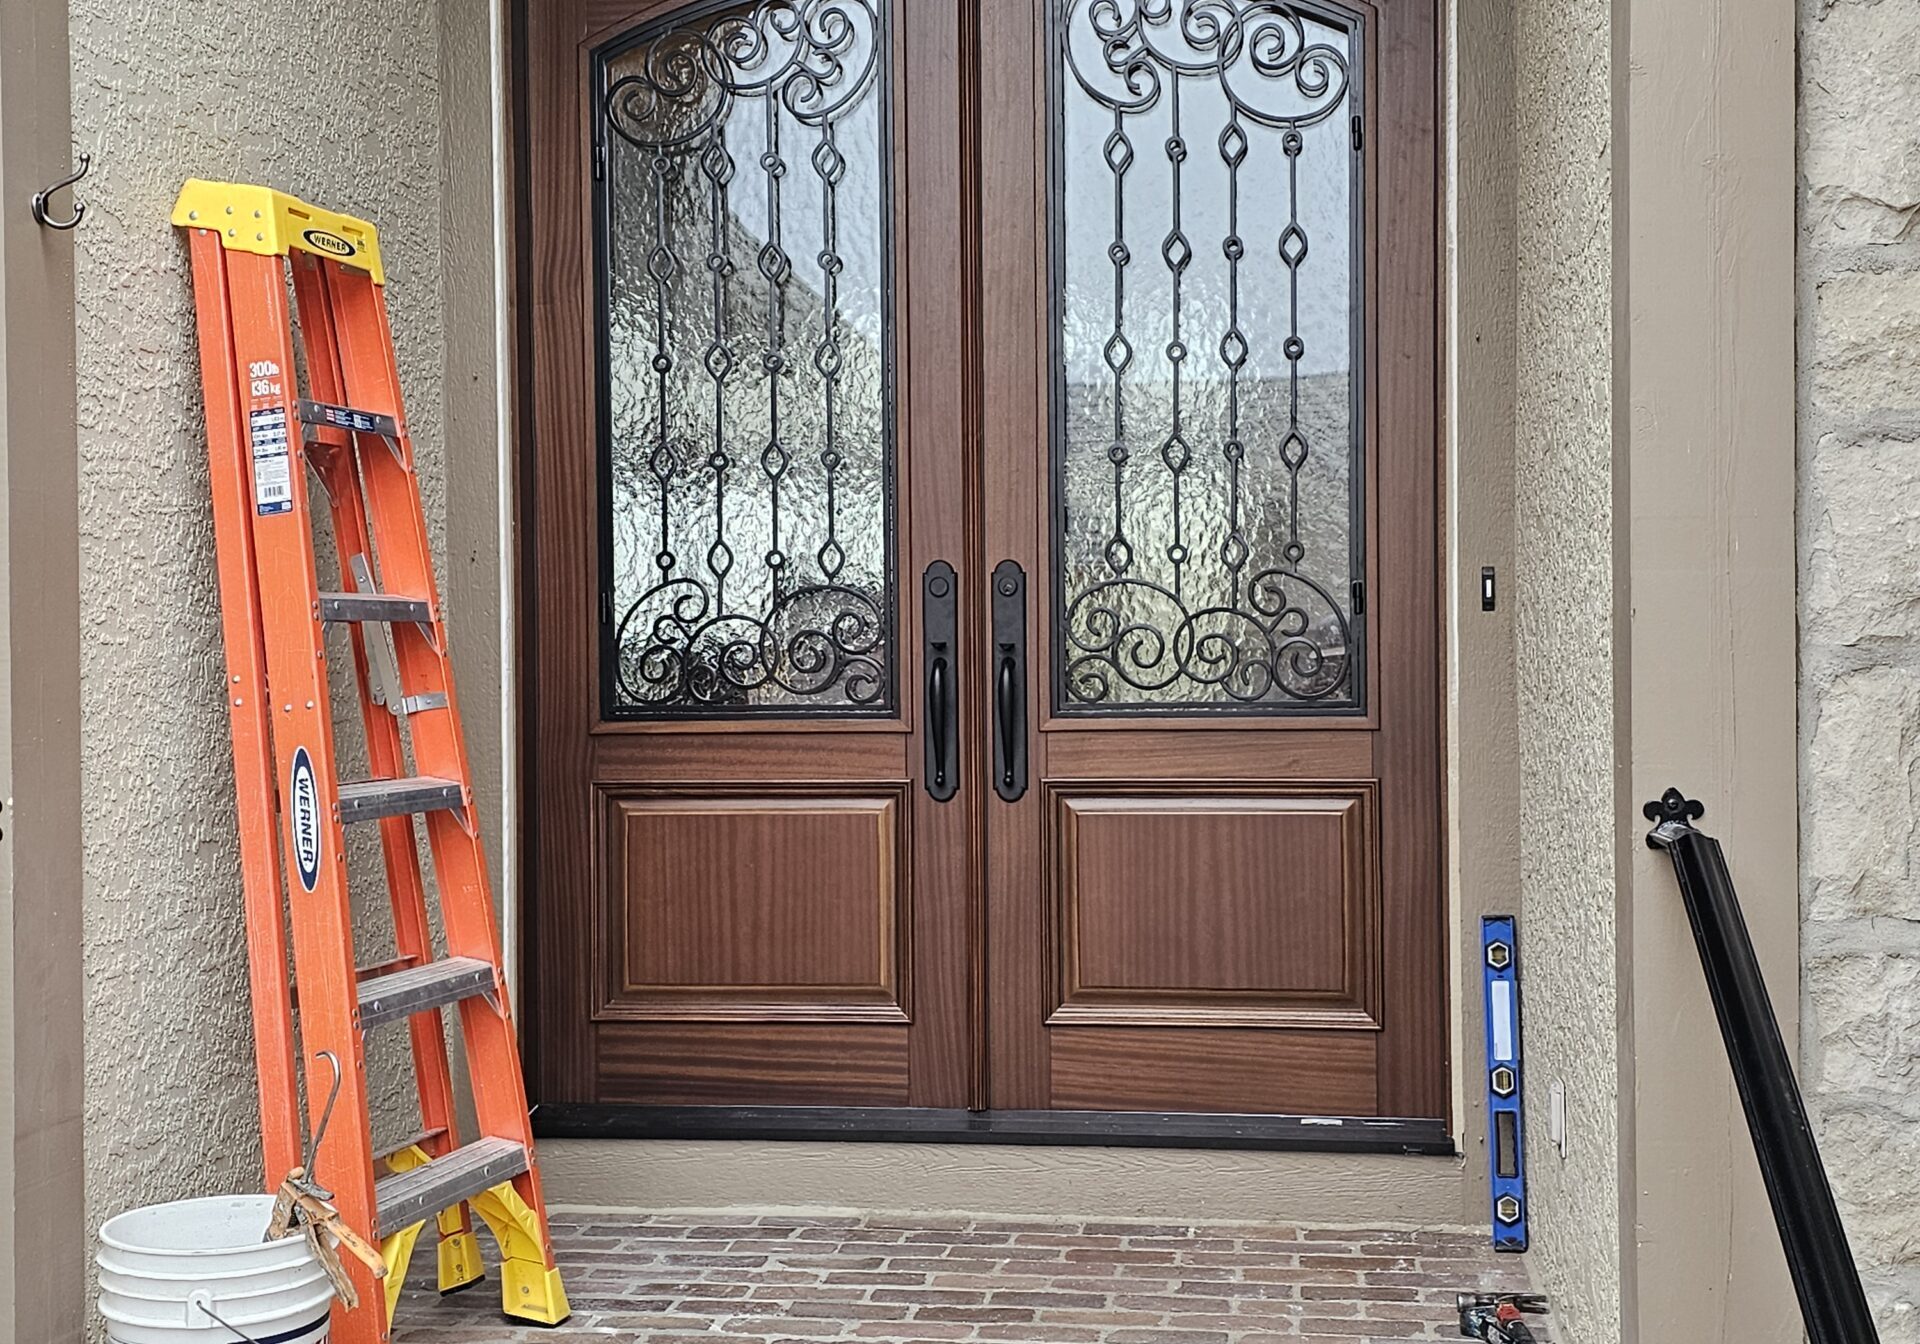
(1450, 242)
(1477, 439)
(503, 390)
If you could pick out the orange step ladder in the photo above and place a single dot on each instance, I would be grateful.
(351, 431)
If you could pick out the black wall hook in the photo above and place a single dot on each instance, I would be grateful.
(39, 203)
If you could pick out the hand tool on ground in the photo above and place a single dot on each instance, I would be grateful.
(1497, 1317)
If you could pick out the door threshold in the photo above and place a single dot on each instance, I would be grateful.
(917, 1124)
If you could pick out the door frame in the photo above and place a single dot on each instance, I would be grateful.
(547, 1061)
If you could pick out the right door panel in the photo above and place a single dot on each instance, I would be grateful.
(1209, 335)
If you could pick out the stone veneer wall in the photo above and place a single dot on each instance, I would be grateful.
(1860, 626)
(339, 101)
(1563, 602)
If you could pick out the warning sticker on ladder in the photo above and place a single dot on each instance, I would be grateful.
(272, 474)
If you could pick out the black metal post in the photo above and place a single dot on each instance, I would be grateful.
(1831, 1300)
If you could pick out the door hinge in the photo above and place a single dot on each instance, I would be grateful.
(599, 160)
(606, 608)
(1358, 135)
(1359, 592)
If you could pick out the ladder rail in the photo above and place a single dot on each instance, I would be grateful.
(303, 743)
(245, 692)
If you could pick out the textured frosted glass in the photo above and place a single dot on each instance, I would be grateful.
(1207, 494)
(750, 459)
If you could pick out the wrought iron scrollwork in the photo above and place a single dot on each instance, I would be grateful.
(748, 385)
(817, 57)
(685, 650)
(1257, 51)
(1208, 583)
(1271, 641)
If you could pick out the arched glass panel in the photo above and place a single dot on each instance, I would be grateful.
(1205, 223)
(747, 456)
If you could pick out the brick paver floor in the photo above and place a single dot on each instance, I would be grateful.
(702, 1279)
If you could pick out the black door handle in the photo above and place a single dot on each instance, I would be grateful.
(939, 624)
(1009, 681)
(1007, 715)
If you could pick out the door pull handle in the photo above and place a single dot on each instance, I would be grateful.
(1007, 713)
(939, 623)
(1010, 681)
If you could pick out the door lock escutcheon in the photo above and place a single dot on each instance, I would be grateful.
(940, 627)
(1009, 681)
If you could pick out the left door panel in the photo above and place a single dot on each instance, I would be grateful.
(742, 893)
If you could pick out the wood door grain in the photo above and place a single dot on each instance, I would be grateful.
(733, 910)
(1250, 904)
(761, 904)
(1202, 908)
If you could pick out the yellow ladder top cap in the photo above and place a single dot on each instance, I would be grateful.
(272, 224)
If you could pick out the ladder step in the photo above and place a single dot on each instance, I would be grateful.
(418, 1138)
(401, 994)
(414, 1196)
(373, 607)
(326, 415)
(371, 799)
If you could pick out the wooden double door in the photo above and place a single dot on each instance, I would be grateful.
(980, 621)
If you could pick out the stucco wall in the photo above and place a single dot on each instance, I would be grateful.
(1860, 627)
(339, 101)
(1563, 593)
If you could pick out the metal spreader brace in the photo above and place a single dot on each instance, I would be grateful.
(348, 428)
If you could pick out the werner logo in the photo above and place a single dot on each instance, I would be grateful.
(330, 242)
(305, 801)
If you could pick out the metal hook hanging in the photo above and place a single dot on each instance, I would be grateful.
(39, 203)
(326, 1118)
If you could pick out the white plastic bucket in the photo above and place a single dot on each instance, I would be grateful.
(167, 1271)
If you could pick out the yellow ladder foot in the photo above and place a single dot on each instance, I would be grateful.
(530, 1288)
(397, 1251)
(532, 1292)
(460, 1265)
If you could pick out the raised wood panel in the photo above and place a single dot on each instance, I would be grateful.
(779, 904)
(1251, 1072)
(1218, 904)
(775, 1064)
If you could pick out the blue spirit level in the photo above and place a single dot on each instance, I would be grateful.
(1506, 1149)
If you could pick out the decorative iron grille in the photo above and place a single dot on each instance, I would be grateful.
(747, 456)
(1207, 463)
